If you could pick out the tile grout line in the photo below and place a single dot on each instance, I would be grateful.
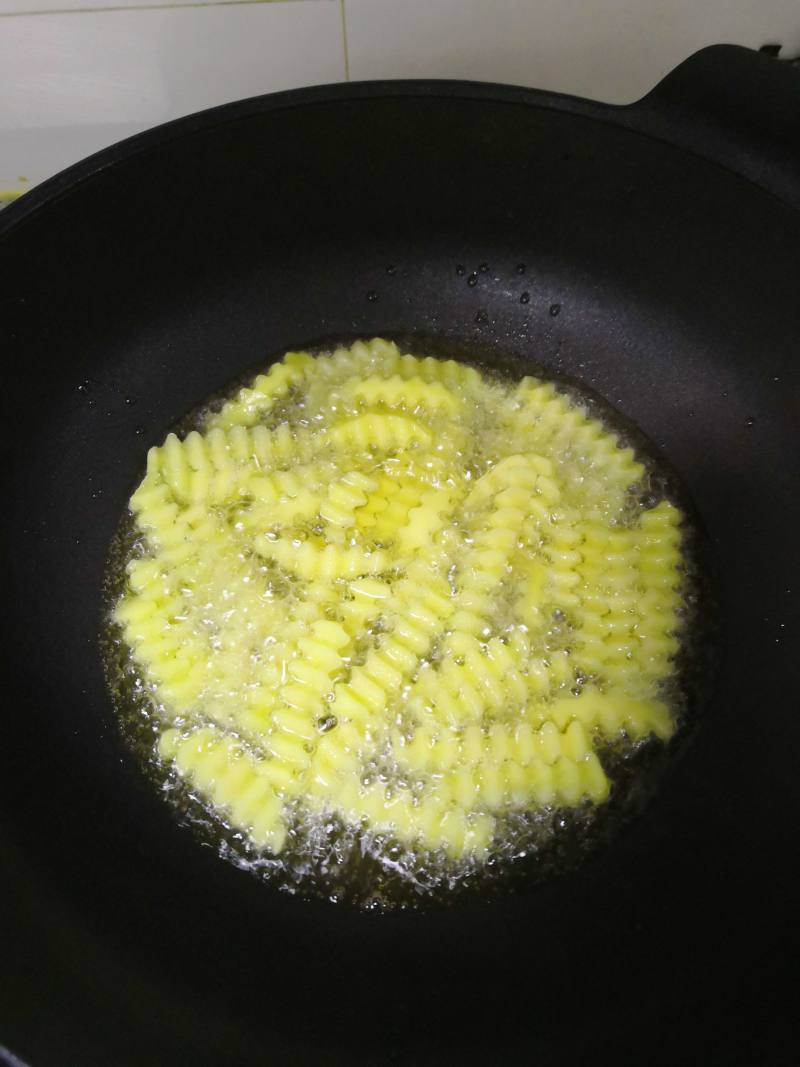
(344, 40)
(141, 7)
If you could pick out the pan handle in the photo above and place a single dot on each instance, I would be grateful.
(735, 106)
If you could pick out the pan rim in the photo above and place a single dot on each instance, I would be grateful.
(639, 118)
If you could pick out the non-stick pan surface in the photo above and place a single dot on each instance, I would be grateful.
(144, 280)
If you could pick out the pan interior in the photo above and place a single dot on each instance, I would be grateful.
(141, 290)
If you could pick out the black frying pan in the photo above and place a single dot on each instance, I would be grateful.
(139, 282)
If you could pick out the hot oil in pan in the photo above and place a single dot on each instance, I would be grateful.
(327, 856)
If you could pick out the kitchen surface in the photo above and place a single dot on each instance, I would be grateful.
(78, 75)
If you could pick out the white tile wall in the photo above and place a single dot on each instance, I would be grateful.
(76, 75)
(48, 7)
(73, 82)
(613, 51)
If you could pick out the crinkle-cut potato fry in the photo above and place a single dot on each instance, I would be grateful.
(356, 563)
